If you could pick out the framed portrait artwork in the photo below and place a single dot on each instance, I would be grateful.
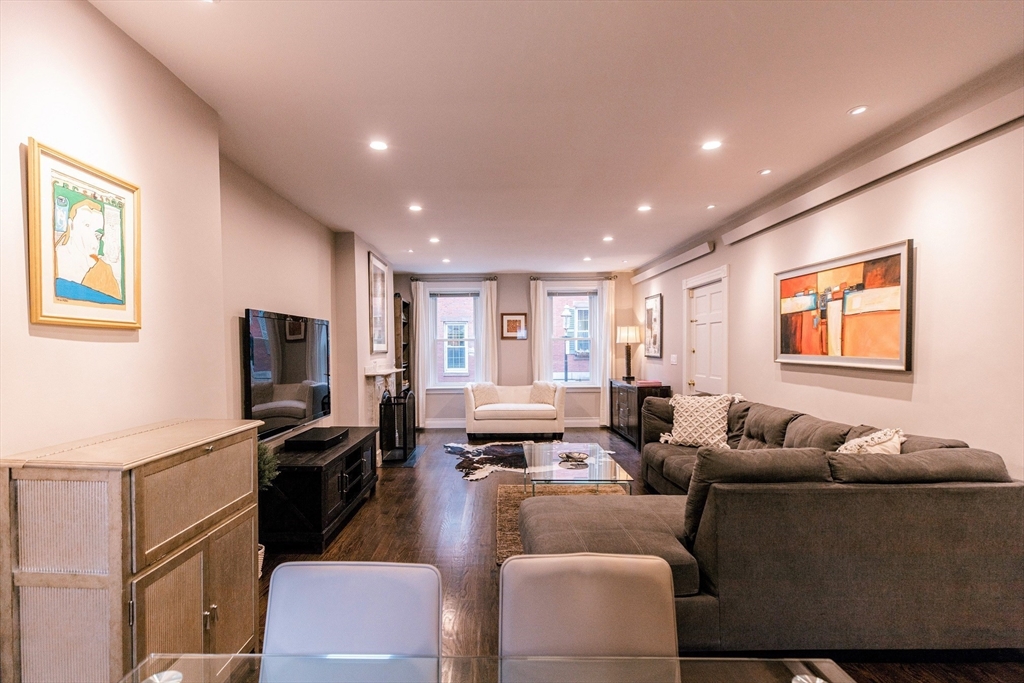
(378, 305)
(653, 326)
(84, 243)
(853, 311)
(294, 330)
(513, 326)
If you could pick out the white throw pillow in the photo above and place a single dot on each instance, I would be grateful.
(885, 441)
(543, 392)
(699, 420)
(485, 393)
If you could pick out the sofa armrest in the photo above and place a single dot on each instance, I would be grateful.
(470, 400)
(560, 403)
(656, 416)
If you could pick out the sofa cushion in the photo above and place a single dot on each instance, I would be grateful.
(913, 443)
(286, 408)
(921, 467)
(699, 420)
(765, 427)
(656, 419)
(485, 393)
(679, 469)
(737, 419)
(629, 525)
(770, 465)
(543, 392)
(655, 455)
(808, 431)
(516, 411)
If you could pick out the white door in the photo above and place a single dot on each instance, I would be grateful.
(707, 338)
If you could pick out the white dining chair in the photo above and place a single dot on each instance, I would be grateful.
(586, 605)
(352, 608)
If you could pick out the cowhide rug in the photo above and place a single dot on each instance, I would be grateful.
(476, 462)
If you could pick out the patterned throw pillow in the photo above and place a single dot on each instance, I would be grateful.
(485, 393)
(699, 420)
(885, 441)
(543, 392)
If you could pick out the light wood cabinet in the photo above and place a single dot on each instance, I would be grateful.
(125, 544)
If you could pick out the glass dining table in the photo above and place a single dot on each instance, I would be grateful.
(172, 668)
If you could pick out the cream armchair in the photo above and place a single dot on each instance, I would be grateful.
(531, 410)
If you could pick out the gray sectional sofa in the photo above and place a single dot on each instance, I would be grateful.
(780, 543)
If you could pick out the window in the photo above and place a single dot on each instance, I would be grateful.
(455, 361)
(570, 335)
(453, 319)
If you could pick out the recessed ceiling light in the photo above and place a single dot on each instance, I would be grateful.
(859, 109)
(410, 251)
(625, 261)
(434, 240)
(711, 206)
(643, 207)
(764, 171)
(586, 258)
(379, 145)
(446, 260)
(415, 207)
(609, 238)
(711, 144)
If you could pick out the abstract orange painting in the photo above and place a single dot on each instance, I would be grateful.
(850, 311)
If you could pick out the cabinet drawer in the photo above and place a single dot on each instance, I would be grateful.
(179, 497)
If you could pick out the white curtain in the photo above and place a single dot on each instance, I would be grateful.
(539, 331)
(487, 336)
(605, 358)
(421, 340)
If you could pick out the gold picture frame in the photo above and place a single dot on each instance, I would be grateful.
(84, 243)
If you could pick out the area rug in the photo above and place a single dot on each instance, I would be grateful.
(511, 496)
(476, 462)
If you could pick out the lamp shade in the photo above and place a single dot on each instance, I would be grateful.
(627, 334)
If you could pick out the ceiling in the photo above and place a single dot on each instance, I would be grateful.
(530, 131)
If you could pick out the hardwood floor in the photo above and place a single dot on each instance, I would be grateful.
(429, 514)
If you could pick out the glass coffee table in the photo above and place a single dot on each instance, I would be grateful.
(572, 463)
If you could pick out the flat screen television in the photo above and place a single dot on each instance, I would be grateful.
(286, 370)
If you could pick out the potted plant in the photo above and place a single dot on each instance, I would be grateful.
(266, 467)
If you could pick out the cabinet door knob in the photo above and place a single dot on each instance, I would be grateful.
(209, 448)
(692, 383)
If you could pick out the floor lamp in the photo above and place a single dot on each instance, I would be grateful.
(628, 334)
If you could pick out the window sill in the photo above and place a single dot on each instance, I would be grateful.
(582, 388)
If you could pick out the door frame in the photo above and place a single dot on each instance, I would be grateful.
(720, 274)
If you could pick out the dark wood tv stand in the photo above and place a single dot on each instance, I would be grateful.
(316, 492)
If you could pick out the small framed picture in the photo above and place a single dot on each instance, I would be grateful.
(513, 326)
(294, 330)
(653, 326)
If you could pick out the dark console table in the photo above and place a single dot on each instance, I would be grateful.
(627, 399)
(316, 492)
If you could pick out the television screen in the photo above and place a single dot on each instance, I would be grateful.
(286, 370)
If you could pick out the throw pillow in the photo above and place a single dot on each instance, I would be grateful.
(886, 441)
(485, 393)
(699, 420)
(543, 392)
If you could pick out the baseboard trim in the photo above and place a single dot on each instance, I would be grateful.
(589, 422)
(445, 423)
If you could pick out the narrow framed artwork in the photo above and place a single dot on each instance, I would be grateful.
(513, 326)
(294, 330)
(853, 311)
(653, 326)
(84, 243)
(378, 305)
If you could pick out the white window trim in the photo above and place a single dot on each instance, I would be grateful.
(591, 289)
(472, 287)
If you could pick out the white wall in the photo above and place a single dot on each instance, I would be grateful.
(102, 99)
(582, 406)
(275, 258)
(353, 401)
(965, 213)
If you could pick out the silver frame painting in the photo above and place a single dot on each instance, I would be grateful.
(905, 250)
